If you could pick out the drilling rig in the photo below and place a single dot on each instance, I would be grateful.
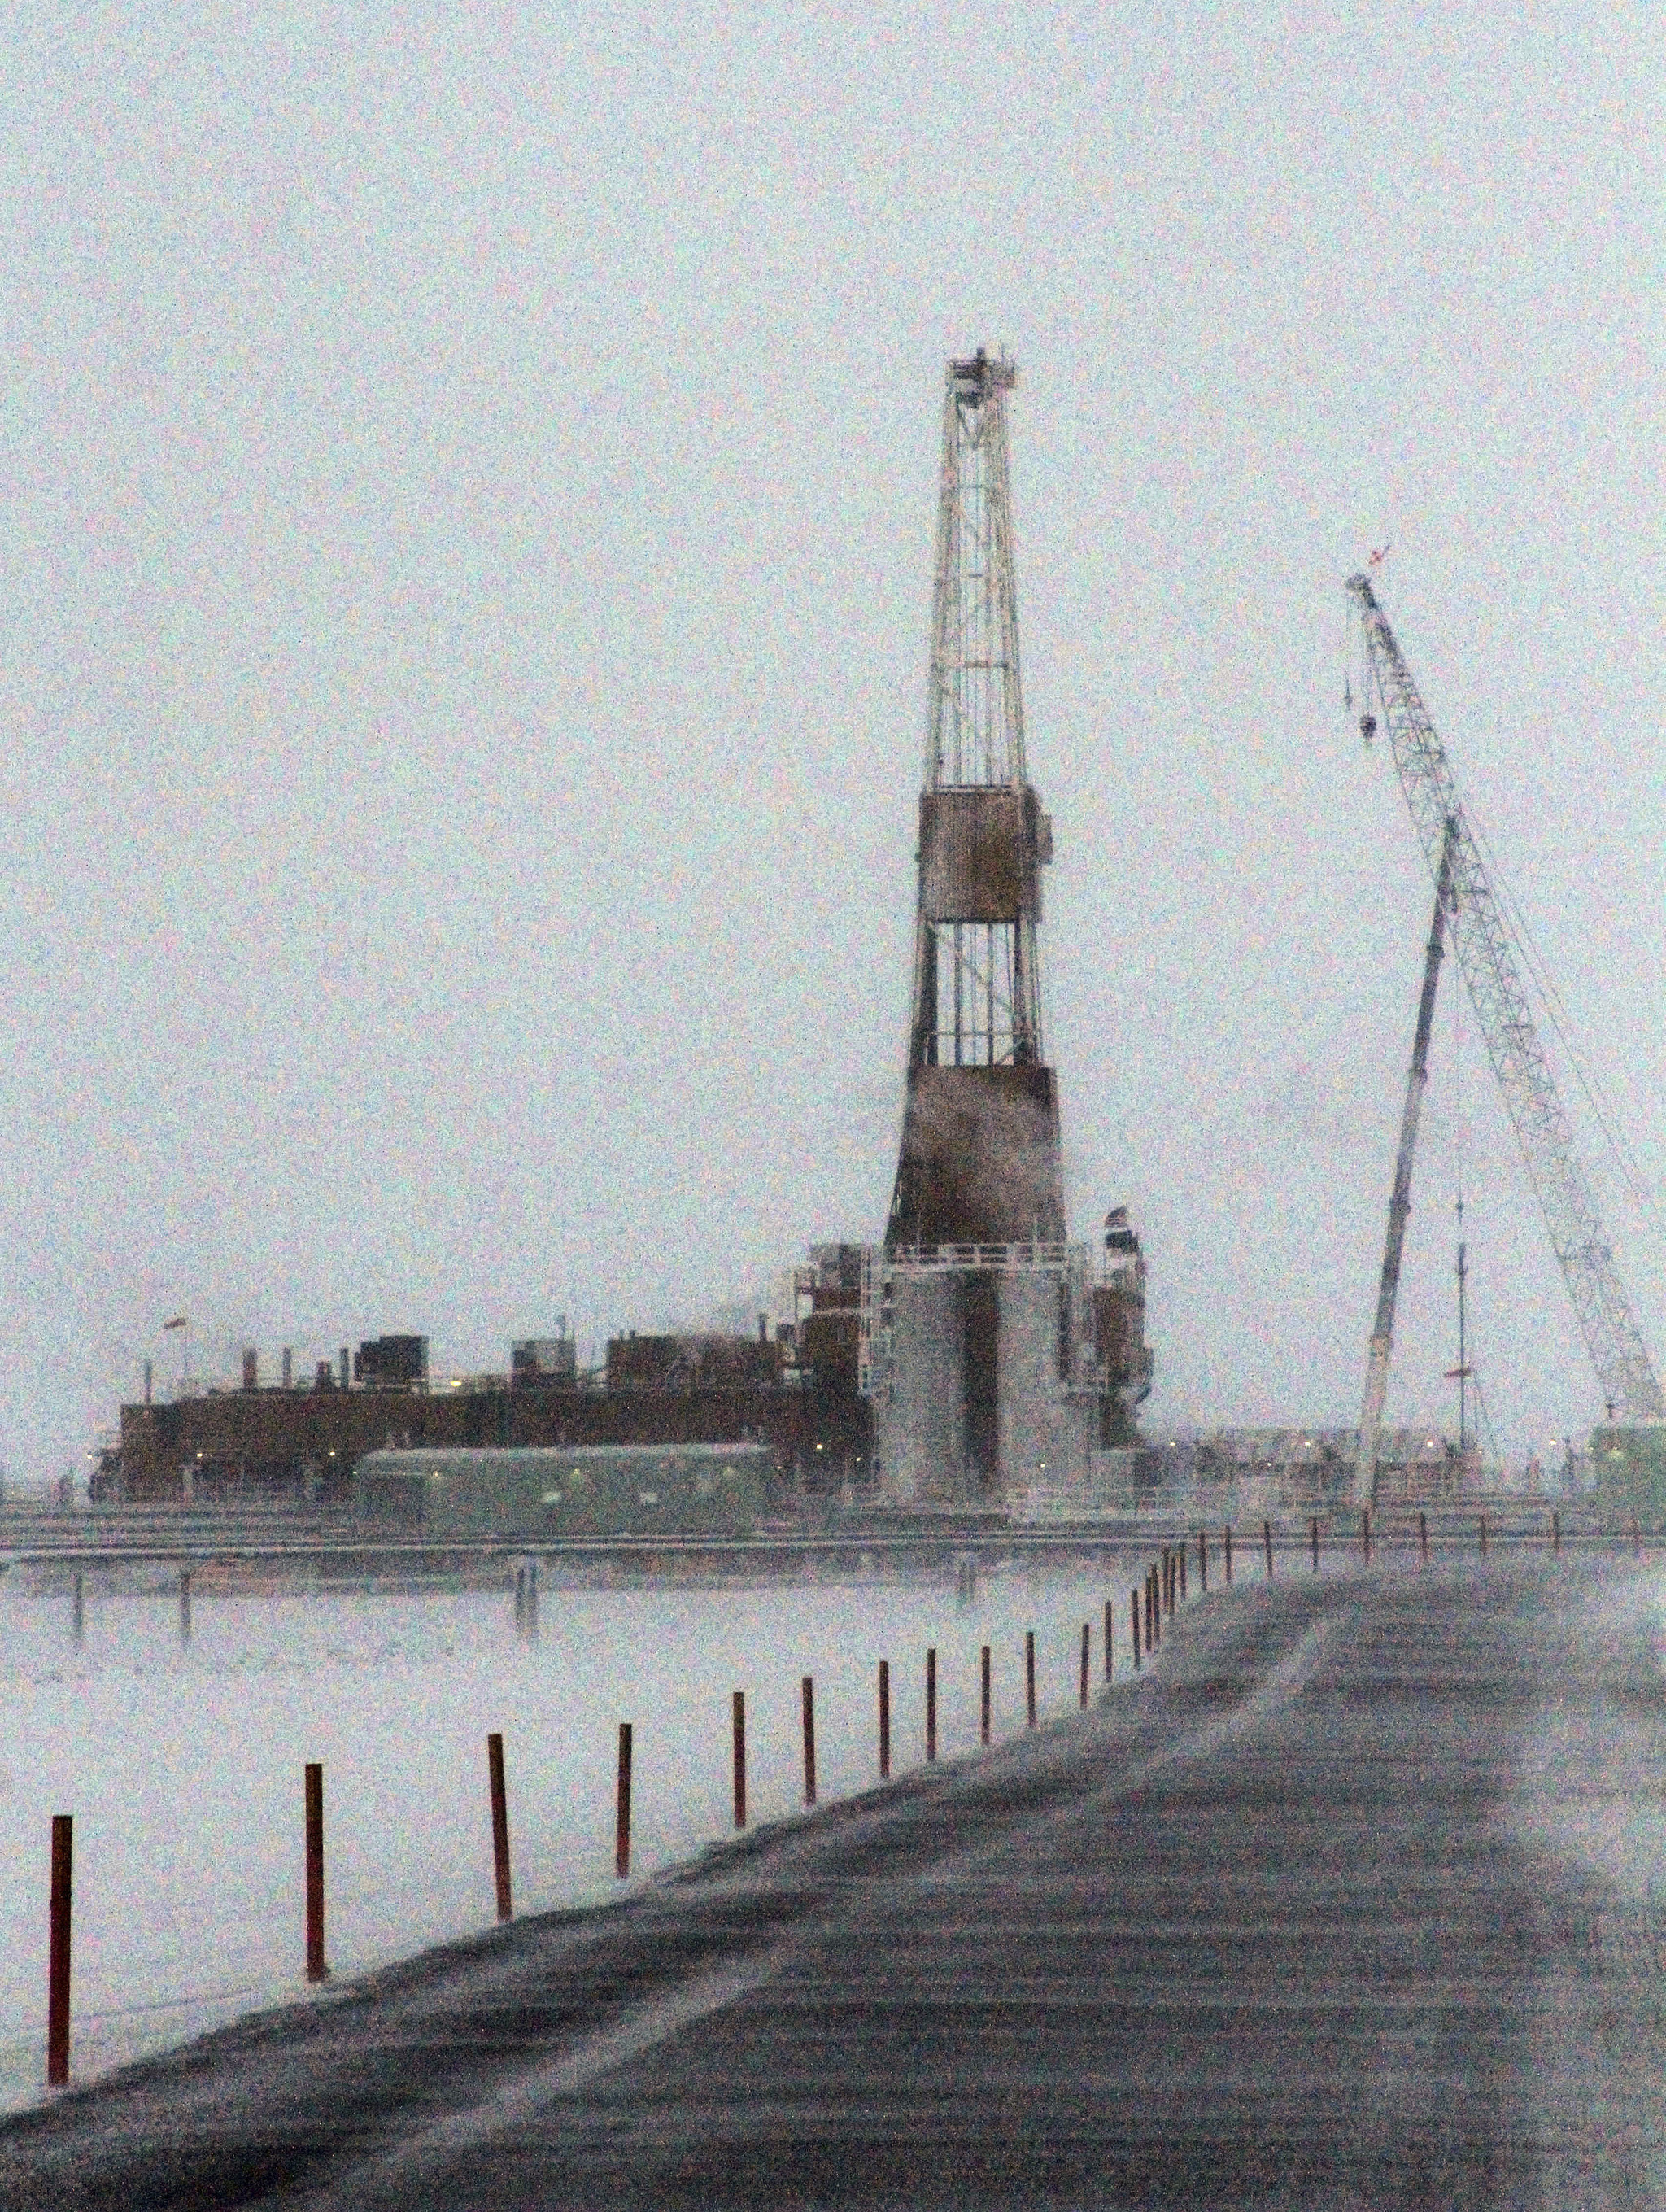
(998, 1355)
(1482, 942)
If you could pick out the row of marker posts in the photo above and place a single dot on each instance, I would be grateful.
(57, 2029)
(1164, 1589)
(1635, 1533)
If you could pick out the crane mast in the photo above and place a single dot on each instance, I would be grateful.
(1630, 1389)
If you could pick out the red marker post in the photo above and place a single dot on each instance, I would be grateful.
(500, 1826)
(58, 1966)
(622, 1806)
(316, 1969)
(739, 1732)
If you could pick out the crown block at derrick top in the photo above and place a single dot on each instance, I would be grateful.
(981, 851)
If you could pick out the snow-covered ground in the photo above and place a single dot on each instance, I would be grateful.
(183, 1765)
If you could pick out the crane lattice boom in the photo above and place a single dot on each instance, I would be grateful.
(1482, 941)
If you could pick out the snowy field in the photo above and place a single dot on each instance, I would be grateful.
(183, 1765)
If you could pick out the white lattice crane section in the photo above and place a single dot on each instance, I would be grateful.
(1482, 942)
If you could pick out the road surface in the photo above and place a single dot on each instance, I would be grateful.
(1358, 1899)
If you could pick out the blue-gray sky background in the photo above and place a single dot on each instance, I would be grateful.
(468, 496)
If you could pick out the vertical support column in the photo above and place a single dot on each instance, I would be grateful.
(1364, 1530)
(884, 1720)
(1228, 1533)
(185, 1605)
(1203, 1561)
(1556, 1534)
(984, 1698)
(1084, 1682)
(1029, 1677)
(1266, 1539)
(1134, 1624)
(78, 1611)
(1316, 1543)
(1109, 1620)
(931, 1705)
(58, 1966)
(316, 1969)
(1423, 1537)
(500, 1826)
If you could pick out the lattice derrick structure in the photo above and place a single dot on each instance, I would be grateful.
(979, 1163)
(1545, 1135)
(977, 1001)
(974, 731)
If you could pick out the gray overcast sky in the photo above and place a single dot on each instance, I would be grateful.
(469, 482)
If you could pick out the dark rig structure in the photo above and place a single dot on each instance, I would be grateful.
(974, 1354)
(998, 1355)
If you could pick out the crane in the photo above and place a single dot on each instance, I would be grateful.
(1400, 1205)
(1481, 940)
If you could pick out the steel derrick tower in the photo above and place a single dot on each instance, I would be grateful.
(998, 1356)
(979, 1154)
